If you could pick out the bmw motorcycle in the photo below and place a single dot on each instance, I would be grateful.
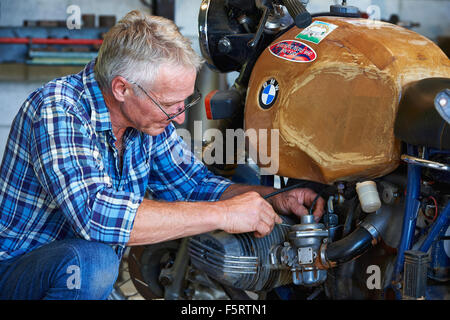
(362, 112)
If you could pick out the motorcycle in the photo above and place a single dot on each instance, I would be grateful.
(363, 116)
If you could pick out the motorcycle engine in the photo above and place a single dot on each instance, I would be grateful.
(260, 264)
(239, 260)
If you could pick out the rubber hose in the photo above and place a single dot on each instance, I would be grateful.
(350, 247)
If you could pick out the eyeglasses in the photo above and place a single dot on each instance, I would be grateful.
(188, 102)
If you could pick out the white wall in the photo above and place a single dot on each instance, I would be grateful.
(433, 15)
(186, 17)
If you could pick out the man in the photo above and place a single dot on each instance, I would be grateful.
(83, 151)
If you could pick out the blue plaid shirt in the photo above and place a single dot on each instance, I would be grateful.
(60, 175)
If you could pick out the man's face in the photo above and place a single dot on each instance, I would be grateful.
(171, 87)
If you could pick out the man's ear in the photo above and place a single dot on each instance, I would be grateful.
(120, 88)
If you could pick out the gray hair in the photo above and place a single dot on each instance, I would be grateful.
(137, 46)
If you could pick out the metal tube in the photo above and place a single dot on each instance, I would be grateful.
(412, 204)
(425, 163)
(173, 290)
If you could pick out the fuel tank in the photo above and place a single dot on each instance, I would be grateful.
(332, 91)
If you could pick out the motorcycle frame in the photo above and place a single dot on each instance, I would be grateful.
(412, 204)
(412, 198)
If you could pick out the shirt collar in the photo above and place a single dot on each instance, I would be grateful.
(100, 116)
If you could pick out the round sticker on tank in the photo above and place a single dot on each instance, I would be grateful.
(293, 50)
(268, 93)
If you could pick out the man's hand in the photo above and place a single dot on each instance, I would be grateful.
(297, 201)
(245, 210)
(249, 212)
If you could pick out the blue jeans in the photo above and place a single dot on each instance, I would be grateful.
(72, 269)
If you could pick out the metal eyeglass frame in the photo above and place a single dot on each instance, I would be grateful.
(186, 107)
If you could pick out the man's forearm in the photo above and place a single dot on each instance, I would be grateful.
(158, 221)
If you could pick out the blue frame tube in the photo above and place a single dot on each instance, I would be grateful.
(412, 204)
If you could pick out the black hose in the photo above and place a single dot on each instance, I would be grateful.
(297, 185)
(298, 12)
(350, 216)
(350, 247)
(336, 14)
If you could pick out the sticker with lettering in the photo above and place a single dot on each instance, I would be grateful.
(293, 50)
(268, 93)
(316, 31)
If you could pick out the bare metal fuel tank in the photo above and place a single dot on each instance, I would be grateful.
(332, 90)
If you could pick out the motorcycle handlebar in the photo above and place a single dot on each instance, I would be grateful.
(298, 12)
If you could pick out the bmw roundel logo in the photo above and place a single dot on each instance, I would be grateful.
(268, 93)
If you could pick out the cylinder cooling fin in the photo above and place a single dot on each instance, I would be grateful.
(239, 260)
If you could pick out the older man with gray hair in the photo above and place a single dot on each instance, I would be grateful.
(85, 149)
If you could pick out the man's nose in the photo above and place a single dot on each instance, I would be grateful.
(180, 118)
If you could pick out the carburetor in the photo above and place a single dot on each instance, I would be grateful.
(301, 251)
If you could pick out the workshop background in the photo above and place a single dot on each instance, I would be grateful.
(25, 67)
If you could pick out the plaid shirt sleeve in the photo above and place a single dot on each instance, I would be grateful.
(69, 167)
(177, 175)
